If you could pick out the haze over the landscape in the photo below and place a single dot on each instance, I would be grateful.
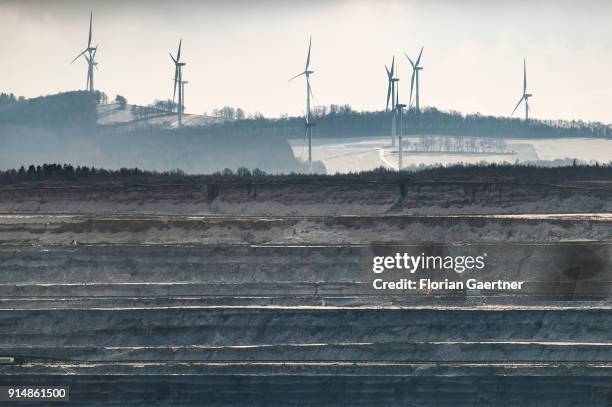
(240, 245)
(241, 53)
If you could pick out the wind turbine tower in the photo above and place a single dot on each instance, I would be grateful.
(183, 83)
(178, 82)
(307, 120)
(90, 54)
(399, 108)
(416, 68)
(400, 160)
(525, 97)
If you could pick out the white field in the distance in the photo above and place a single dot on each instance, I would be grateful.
(365, 153)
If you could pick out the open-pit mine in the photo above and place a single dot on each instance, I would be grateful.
(258, 291)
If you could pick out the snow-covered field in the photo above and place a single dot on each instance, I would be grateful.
(344, 154)
(580, 148)
(357, 154)
(112, 113)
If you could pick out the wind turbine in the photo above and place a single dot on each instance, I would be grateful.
(89, 53)
(178, 81)
(416, 67)
(526, 95)
(307, 119)
(392, 95)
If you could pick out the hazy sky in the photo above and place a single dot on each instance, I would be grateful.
(241, 53)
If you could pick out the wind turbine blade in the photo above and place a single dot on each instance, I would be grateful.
(308, 58)
(90, 23)
(300, 74)
(95, 51)
(173, 60)
(517, 105)
(393, 66)
(178, 54)
(77, 57)
(388, 97)
(419, 58)
(388, 72)
(411, 63)
(176, 78)
(309, 88)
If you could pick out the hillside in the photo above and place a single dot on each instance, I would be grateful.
(60, 111)
(72, 127)
(341, 121)
(131, 117)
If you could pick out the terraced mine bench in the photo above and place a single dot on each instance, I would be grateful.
(178, 309)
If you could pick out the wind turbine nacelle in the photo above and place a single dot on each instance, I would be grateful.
(528, 95)
(181, 63)
(308, 72)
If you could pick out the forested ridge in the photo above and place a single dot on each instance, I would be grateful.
(342, 121)
(77, 108)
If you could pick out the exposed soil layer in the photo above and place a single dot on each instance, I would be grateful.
(310, 197)
(283, 230)
(238, 294)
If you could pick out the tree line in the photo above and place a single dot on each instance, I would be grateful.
(79, 109)
(68, 172)
(456, 144)
(10, 98)
(343, 121)
(472, 172)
